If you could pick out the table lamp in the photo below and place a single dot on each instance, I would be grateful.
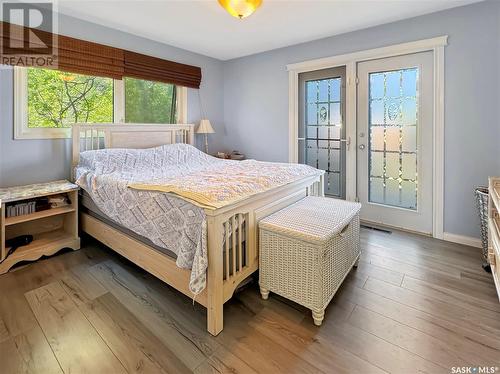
(205, 128)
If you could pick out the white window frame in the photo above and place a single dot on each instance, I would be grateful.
(22, 131)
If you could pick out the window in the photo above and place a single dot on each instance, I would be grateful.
(47, 102)
(149, 102)
(57, 99)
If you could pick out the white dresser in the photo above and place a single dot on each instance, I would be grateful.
(494, 230)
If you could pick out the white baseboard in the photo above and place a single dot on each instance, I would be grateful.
(461, 239)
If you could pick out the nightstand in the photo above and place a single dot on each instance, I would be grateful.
(53, 229)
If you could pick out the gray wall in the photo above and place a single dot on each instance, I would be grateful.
(256, 97)
(32, 161)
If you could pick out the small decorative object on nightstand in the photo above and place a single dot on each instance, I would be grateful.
(205, 128)
(42, 218)
(234, 155)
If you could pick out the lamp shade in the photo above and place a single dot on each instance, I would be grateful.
(205, 127)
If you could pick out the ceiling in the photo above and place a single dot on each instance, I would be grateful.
(205, 27)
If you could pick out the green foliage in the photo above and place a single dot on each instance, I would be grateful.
(59, 99)
(149, 102)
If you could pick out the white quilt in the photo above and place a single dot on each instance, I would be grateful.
(168, 219)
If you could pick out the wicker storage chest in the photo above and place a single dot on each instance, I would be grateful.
(307, 250)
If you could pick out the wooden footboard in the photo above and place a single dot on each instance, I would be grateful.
(232, 231)
(233, 241)
(232, 246)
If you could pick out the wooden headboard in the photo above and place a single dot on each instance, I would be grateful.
(88, 137)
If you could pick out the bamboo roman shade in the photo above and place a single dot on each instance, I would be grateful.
(83, 57)
(152, 68)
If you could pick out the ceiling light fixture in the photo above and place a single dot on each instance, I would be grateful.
(240, 8)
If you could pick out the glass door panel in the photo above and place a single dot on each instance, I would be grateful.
(392, 146)
(321, 123)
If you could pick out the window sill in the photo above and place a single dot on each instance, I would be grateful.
(42, 133)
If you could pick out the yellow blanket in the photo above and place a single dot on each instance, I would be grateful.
(228, 182)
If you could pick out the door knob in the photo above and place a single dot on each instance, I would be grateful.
(362, 146)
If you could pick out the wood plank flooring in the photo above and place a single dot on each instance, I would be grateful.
(414, 305)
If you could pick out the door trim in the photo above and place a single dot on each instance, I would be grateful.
(350, 60)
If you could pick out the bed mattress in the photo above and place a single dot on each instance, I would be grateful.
(160, 194)
(87, 205)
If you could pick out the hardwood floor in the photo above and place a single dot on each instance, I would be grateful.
(413, 305)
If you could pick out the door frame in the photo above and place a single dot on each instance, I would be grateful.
(350, 61)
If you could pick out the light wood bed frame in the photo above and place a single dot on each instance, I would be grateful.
(224, 274)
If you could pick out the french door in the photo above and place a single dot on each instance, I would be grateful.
(394, 139)
(321, 141)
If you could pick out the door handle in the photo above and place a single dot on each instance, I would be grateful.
(362, 146)
(346, 141)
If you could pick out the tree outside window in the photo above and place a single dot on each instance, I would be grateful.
(47, 102)
(149, 102)
(58, 99)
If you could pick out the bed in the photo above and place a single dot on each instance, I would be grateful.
(231, 230)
